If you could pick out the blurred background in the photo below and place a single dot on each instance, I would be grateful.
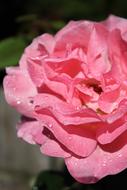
(20, 22)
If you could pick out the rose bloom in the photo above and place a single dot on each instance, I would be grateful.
(71, 90)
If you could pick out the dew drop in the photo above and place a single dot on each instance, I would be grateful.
(14, 89)
(18, 102)
(50, 125)
(70, 138)
(78, 108)
(120, 155)
(104, 164)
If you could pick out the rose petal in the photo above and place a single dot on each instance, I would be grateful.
(29, 131)
(117, 55)
(109, 100)
(78, 140)
(64, 112)
(19, 90)
(114, 126)
(68, 35)
(103, 161)
(115, 22)
(97, 57)
(39, 48)
(52, 147)
(34, 133)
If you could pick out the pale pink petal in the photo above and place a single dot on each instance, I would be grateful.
(40, 48)
(51, 146)
(97, 60)
(117, 55)
(41, 45)
(29, 131)
(119, 113)
(68, 35)
(115, 22)
(42, 75)
(35, 72)
(108, 101)
(115, 125)
(19, 90)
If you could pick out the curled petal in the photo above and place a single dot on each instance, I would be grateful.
(64, 112)
(35, 133)
(29, 131)
(78, 140)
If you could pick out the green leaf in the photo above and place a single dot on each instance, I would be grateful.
(49, 180)
(11, 50)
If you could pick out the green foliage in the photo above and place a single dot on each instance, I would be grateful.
(49, 180)
(54, 180)
(10, 51)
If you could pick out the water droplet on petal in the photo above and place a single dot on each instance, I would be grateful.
(78, 108)
(120, 155)
(70, 138)
(50, 125)
(104, 163)
(14, 89)
(75, 163)
(18, 102)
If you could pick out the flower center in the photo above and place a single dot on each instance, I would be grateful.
(92, 83)
(96, 88)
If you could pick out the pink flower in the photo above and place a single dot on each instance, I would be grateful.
(71, 89)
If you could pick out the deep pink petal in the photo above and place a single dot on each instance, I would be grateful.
(115, 125)
(78, 140)
(64, 112)
(107, 160)
(33, 133)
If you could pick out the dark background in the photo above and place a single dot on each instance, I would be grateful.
(30, 18)
(48, 11)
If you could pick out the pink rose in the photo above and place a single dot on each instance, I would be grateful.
(71, 89)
